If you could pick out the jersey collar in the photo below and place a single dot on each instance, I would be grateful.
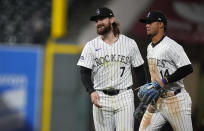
(113, 43)
(154, 44)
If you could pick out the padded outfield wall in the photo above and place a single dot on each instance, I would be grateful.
(65, 101)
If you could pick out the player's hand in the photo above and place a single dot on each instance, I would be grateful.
(95, 98)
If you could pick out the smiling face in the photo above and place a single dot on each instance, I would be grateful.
(103, 26)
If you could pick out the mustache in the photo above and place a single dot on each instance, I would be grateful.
(100, 25)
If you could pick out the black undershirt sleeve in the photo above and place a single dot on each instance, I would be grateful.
(86, 79)
(139, 74)
(180, 73)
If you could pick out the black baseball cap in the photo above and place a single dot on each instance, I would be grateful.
(154, 16)
(102, 12)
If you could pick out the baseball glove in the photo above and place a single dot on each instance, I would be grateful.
(142, 90)
(148, 93)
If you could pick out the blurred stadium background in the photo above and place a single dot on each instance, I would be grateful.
(40, 43)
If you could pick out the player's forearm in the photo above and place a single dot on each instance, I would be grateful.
(86, 79)
(139, 74)
(178, 74)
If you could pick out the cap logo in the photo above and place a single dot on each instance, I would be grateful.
(148, 14)
(159, 19)
(97, 12)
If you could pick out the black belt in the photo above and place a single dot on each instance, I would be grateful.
(113, 92)
(167, 94)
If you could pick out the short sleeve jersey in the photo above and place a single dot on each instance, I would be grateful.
(165, 58)
(111, 64)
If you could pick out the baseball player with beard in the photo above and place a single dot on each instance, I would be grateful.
(168, 65)
(105, 67)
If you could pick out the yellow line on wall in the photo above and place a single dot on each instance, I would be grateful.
(47, 92)
(64, 48)
(67, 49)
(51, 49)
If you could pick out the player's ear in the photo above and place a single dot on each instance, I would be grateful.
(112, 19)
(161, 25)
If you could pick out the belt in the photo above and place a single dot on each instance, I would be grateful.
(170, 93)
(113, 92)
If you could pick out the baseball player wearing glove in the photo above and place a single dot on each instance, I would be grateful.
(165, 99)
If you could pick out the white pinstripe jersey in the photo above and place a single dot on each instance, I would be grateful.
(111, 64)
(165, 58)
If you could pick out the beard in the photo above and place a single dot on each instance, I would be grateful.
(103, 29)
(152, 34)
(149, 35)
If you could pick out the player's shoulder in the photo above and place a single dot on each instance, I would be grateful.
(149, 46)
(124, 37)
(171, 43)
(92, 43)
(127, 40)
